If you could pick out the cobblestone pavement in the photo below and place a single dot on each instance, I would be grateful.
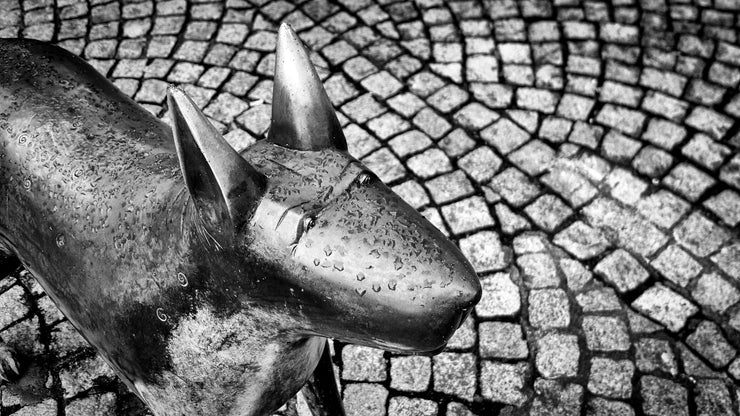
(584, 155)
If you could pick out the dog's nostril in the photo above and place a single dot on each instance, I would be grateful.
(465, 315)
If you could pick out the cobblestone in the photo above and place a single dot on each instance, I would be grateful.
(365, 399)
(655, 354)
(713, 398)
(662, 208)
(728, 260)
(504, 382)
(677, 265)
(410, 373)
(622, 270)
(662, 397)
(485, 248)
(665, 306)
(514, 187)
(582, 241)
(605, 333)
(404, 406)
(500, 297)
(688, 181)
(557, 355)
(699, 235)
(502, 340)
(363, 364)
(601, 407)
(549, 308)
(583, 155)
(611, 378)
(455, 374)
(715, 293)
(553, 398)
(539, 270)
(548, 212)
(711, 344)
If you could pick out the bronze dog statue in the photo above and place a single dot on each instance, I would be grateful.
(206, 278)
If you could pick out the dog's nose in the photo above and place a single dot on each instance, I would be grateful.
(465, 288)
(465, 315)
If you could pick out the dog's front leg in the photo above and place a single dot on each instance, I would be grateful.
(320, 392)
(8, 362)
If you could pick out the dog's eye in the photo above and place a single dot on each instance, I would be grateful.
(308, 223)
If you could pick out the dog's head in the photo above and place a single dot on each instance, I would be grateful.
(315, 234)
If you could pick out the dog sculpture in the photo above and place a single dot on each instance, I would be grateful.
(206, 278)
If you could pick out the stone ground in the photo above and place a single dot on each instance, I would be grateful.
(584, 155)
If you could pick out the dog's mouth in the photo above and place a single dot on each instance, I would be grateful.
(428, 351)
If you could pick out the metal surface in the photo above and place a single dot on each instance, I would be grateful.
(321, 392)
(208, 278)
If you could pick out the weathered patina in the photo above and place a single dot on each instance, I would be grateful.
(206, 278)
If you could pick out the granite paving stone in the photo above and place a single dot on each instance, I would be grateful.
(655, 354)
(700, 235)
(713, 398)
(514, 186)
(500, 297)
(611, 378)
(365, 399)
(665, 306)
(693, 365)
(504, 383)
(602, 407)
(708, 340)
(662, 208)
(553, 398)
(467, 215)
(465, 337)
(410, 373)
(688, 181)
(538, 270)
(549, 308)
(604, 333)
(728, 259)
(676, 265)
(581, 240)
(726, 205)
(652, 161)
(485, 250)
(533, 158)
(480, 164)
(548, 212)
(631, 230)
(730, 172)
(504, 135)
(502, 340)
(569, 184)
(715, 293)
(102, 404)
(404, 406)
(511, 223)
(412, 142)
(363, 364)
(557, 355)
(455, 374)
(622, 270)
(662, 397)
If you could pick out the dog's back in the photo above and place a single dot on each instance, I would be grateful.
(87, 178)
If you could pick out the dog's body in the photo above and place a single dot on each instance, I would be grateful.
(210, 295)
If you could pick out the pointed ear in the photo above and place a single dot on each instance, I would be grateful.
(224, 187)
(302, 115)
